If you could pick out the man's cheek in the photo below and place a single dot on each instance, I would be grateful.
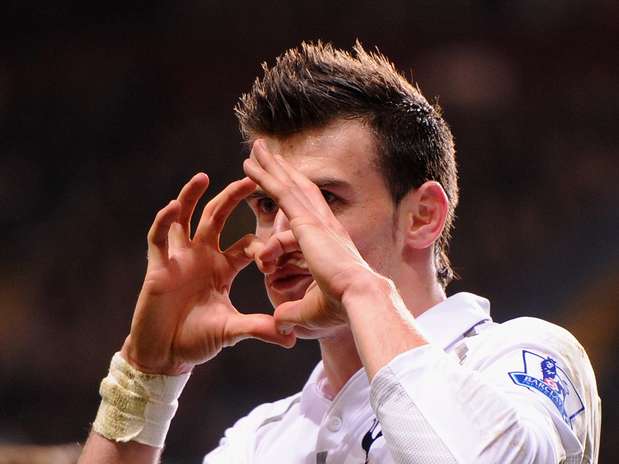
(362, 242)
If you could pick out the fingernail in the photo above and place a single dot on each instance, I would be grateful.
(285, 330)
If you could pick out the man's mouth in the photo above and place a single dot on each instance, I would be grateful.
(289, 277)
(291, 282)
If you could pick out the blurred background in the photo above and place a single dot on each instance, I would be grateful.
(107, 108)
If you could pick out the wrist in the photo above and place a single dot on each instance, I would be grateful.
(136, 406)
(151, 364)
(381, 324)
(367, 287)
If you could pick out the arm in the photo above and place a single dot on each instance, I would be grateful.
(454, 412)
(183, 316)
(101, 450)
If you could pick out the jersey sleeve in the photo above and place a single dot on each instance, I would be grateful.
(522, 394)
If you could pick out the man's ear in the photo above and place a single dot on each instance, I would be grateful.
(426, 212)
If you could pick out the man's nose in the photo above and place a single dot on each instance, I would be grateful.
(280, 223)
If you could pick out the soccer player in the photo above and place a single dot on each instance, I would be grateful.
(352, 179)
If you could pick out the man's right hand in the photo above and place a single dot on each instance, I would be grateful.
(184, 315)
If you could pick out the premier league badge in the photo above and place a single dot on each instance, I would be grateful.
(543, 375)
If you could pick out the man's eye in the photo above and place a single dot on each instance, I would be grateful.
(328, 196)
(267, 206)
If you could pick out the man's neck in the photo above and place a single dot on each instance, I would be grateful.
(340, 361)
(339, 353)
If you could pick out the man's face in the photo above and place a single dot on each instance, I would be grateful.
(340, 160)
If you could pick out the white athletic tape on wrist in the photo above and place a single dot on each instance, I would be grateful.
(136, 406)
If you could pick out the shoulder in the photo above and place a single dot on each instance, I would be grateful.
(536, 357)
(548, 340)
(534, 327)
(268, 411)
(238, 441)
(528, 345)
(524, 337)
(533, 333)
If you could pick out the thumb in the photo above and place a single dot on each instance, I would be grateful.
(260, 326)
(308, 312)
(242, 252)
(277, 245)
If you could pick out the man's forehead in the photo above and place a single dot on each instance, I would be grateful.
(307, 141)
(342, 143)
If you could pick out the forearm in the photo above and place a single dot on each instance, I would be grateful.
(421, 395)
(100, 450)
(381, 324)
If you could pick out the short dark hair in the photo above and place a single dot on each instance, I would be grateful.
(316, 83)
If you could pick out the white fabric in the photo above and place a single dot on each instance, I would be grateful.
(475, 394)
(408, 434)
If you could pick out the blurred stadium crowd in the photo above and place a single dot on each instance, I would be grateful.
(107, 108)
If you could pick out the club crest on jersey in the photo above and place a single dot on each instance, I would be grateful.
(370, 437)
(543, 375)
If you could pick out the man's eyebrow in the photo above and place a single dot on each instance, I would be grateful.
(331, 183)
(323, 183)
(256, 195)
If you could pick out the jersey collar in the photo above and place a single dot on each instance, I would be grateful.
(443, 325)
(446, 323)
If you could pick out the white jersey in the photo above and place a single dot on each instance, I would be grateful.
(480, 392)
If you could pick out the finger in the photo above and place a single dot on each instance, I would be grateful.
(301, 313)
(218, 210)
(306, 193)
(281, 169)
(188, 198)
(177, 238)
(311, 190)
(270, 164)
(260, 326)
(276, 246)
(282, 193)
(261, 154)
(158, 232)
(179, 235)
(243, 252)
(300, 192)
